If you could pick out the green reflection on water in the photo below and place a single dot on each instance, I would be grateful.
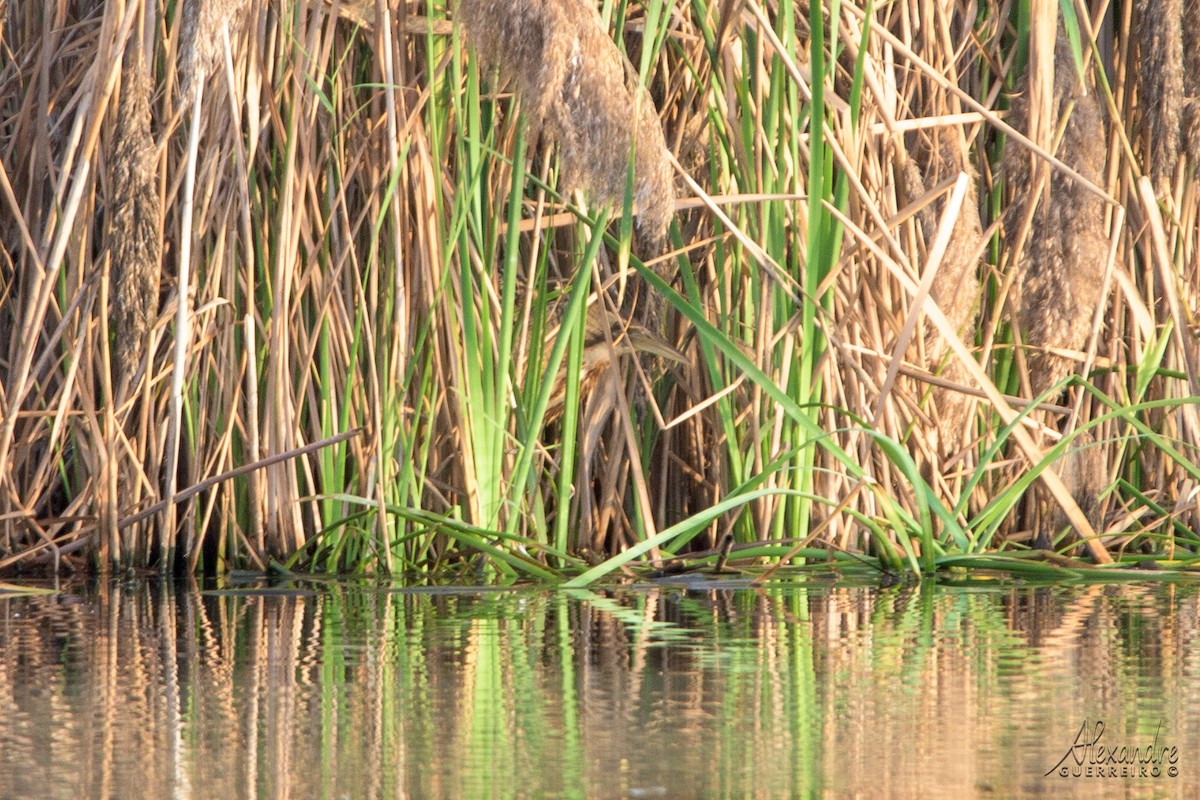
(796, 690)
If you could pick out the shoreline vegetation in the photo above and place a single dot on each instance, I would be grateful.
(569, 291)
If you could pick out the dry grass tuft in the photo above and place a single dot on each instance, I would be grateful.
(575, 83)
(135, 216)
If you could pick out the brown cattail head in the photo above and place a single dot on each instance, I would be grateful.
(134, 218)
(200, 37)
(1060, 278)
(1061, 271)
(576, 85)
(1160, 84)
(1191, 81)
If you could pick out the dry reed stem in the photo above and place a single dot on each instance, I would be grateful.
(134, 219)
(1041, 86)
(574, 82)
(1160, 85)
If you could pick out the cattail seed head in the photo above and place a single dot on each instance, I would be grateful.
(200, 37)
(1160, 84)
(135, 217)
(575, 85)
(1061, 273)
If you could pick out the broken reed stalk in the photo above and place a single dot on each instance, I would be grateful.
(183, 330)
(1060, 272)
(134, 220)
(577, 87)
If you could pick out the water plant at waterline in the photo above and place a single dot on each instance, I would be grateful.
(413, 313)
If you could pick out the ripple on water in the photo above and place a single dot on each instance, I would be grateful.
(668, 691)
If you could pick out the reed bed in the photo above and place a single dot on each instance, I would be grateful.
(381, 287)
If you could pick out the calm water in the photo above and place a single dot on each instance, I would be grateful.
(799, 690)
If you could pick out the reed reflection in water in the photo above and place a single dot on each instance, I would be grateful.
(798, 690)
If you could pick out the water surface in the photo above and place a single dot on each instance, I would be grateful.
(796, 690)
